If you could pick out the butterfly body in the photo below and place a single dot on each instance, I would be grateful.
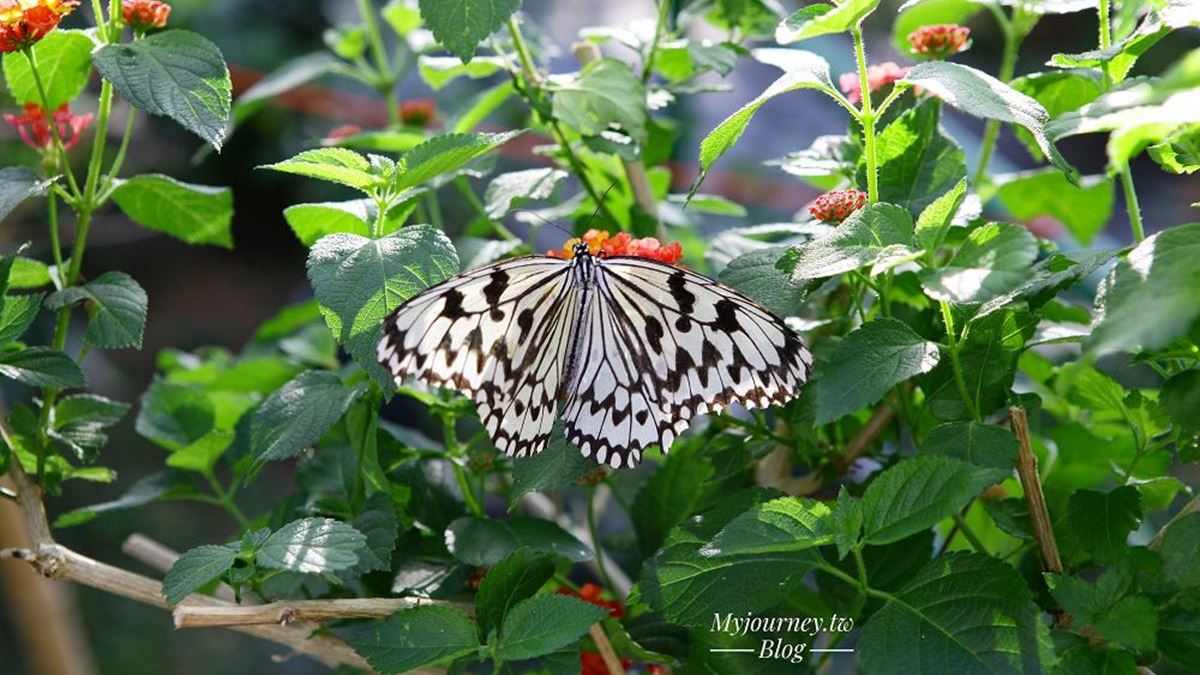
(630, 350)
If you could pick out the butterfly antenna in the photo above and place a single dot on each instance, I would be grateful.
(544, 220)
(600, 204)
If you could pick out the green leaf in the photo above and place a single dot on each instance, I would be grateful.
(41, 367)
(1047, 278)
(918, 492)
(175, 415)
(443, 154)
(377, 522)
(785, 525)
(757, 275)
(935, 219)
(518, 576)
(116, 306)
(821, 19)
(1083, 209)
(310, 222)
(543, 624)
(1119, 57)
(917, 162)
(968, 612)
(312, 545)
(1179, 638)
(28, 273)
(298, 414)
(1132, 622)
(197, 214)
(982, 95)
(667, 498)
(1180, 398)
(413, 638)
(402, 15)
(18, 183)
(993, 260)
(64, 60)
(801, 70)
(175, 73)
(980, 444)
(1149, 298)
(517, 187)
(147, 489)
(194, 569)
(867, 363)
(1178, 153)
(1103, 520)
(292, 74)
(17, 315)
(80, 420)
(1180, 546)
(556, 467)
(439, 71)
(462, 24)
(864, 238)
(202, 454)
(359, 281)
(605, 92)
(846, 522)
(483, 542)
(336, 165)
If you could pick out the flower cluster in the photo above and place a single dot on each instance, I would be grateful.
(592, 593)
(940, 41)
(417, 112)
(601, 242)
(35, 130)
(878, 76)
(145, 15)
(836, 206)
(24, 22)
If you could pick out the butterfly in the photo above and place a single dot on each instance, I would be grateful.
(626, 350)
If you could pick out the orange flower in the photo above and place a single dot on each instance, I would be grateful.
(877, 77)
(35, 129)
(24, 22)
(593, 664)
(836, 206)
(941, 40)
(621, 244)
(145, 15)
(417, 112)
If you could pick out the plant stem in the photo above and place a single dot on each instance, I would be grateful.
(59, 149)
(664, 8)
(119, 160)
(531, 74)
(55, 246)
(1008, 64)
(1132, 206)
(970, 534)
(450, 434)
(385, 79)
(464, 187)
(953, 347)
(223, 499)
(866, 116)
(435, 209)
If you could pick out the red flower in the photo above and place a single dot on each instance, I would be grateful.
(590, 592)
(417, 112)
(145, 15)
(35, 130)
(24, 22)
(836, 206)
(593, 664)
(877, 77)
(941, 40)
(602, 243)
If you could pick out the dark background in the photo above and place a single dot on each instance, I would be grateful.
(208, 296)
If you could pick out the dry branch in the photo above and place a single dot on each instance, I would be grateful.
(287, 612)
(1028, 472)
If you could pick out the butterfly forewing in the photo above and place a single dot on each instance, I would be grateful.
(634, 348)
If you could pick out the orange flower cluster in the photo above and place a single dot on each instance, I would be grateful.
(417, 112)
(24, 22)
(145, 15)
(601, 242)
(878, 76)
(836, 206)
(941, 40)
(34, 127)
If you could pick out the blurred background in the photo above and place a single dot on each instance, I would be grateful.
(210, 296)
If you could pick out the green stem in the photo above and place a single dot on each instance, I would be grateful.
(454, 449)
(1132, 206)
(222, 498)
(119, 160)
(59, 149)
(1008, 64)
(664, 8)
(866, 116)
(435, 209)
(532, 76)
(55, 246)
(970, 534)
(386, 80)
(580, 171)
(592, 533)
(464, 187)
(959, 381)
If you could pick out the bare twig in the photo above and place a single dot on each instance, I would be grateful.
(1027, 471)
(286, 612)
(611, 660)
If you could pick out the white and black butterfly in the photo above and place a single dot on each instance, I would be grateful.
(632, 349)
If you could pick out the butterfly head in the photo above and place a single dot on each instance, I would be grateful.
(580, 250)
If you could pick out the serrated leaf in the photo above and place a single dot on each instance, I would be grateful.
(41, 367)
(982, 95)
(359, 281)
(544, 623)
(64, 60)
(917, 163)
(18, 183)
(175, 415)
(17, 315)
(604, 93)
(1103, 520)
(757, 274)
(980, 444)
(970, 614)
(516, 187)
(785, 525)
(858, 242)
(918, 492)
(1180, 546)
(668, 497)
(462, 24)
(175, 73)
(117, 306)
(483, 542)
(377, 522)
(80, 420)
(197, 214)
(846, 521)
(821, 19)
(515, 578)
(867, 363)
(935, 220)
(444, 154)
(147, 489)
(297, 415)
(336, 165)
(556, 467)
(439, 71)
(994, 259)
(194, 569)
(312, 545)
(413, 638)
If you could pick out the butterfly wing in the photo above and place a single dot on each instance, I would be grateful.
(680, 345)
(500, 335)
